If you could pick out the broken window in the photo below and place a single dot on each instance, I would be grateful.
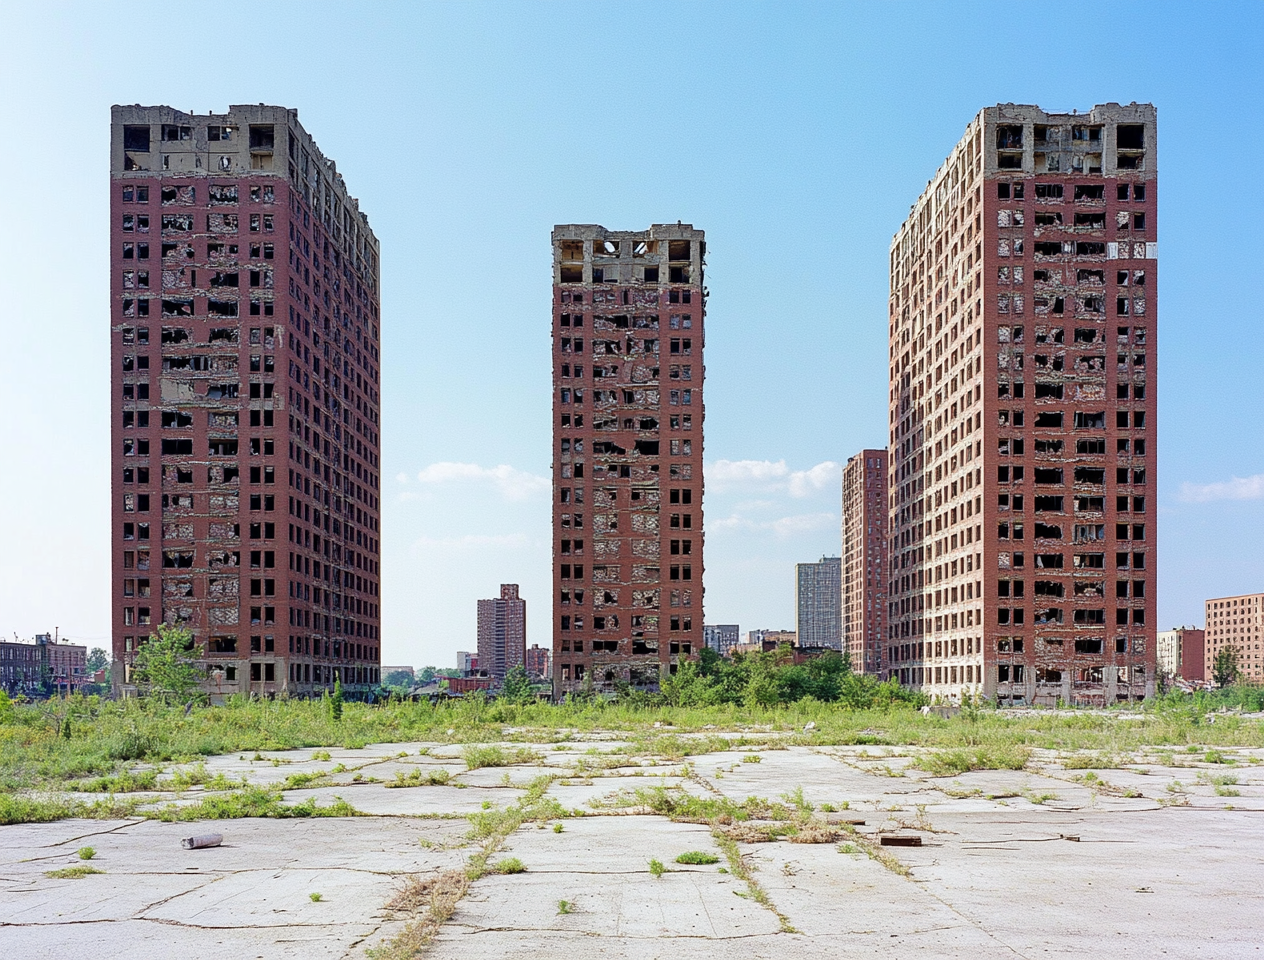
(136, 138)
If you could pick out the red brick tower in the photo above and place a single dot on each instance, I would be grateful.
(244, 398)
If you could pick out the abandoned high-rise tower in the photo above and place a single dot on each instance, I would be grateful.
(1022, 412)
(244, 348)
(628, 334)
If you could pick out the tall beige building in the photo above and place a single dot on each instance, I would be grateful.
(1022, 412)
(1236, 622)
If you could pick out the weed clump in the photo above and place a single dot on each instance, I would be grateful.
(951, 763)
(496, 756)
(698, 857)
(72, 873)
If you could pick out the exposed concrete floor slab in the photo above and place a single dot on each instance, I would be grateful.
(1167, 860)
(249, 897)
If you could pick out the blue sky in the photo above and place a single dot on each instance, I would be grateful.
(796, 135)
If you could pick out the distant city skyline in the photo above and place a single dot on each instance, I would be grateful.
(808, 132)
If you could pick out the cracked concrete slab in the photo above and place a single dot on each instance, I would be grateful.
(1170, 868)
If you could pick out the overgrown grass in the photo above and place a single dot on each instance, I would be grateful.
(996, 756)
(26, 808)
(110, 737)
(415, 778)
(497, 756)
(252, 801)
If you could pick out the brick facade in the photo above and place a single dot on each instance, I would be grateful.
(244, 398)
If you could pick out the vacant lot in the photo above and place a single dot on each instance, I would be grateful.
(1039, 835)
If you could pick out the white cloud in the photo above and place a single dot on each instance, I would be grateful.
(513, 484)
(1237, 488)
(782, 528)
(724, 475)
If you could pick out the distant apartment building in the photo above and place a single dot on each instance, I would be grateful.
(466, 662)
(502, 633)
(1023, 396)
(818, 597)
(721, 637)
(22, 668)
(864, 572)
(244, 397)
(628, 332)
(66, 663)
(1235, 622)
(1180, 652)
(761, 637)
(538, 661)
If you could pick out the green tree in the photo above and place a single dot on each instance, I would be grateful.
(335, 702)
(98, 659)
(426, 674)
(166, 665)
(398, 679)
(1224, 668)
(517, 686)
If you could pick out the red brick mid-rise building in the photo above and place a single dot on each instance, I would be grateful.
(502, 633)
(1023, 340)
(538, 661)
(1235, 623)
(865, 560)
(628, 332)
(244, 397)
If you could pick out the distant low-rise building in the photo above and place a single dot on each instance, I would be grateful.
(757, 638)
(1180, 653)
(466, 662)
(387, 671)
(21, 668)
(66, 663)
(721, 637)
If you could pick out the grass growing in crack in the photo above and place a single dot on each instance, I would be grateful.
(496, 756)
(565, 906)
(46, 809)
(72, 873)
(249, 802)
(951, 763)
(87, 853)
(125, 782)
(297, 781)
(415, 778)
(657, 869)
(436, 897)
(742, 870)
(1091, 761)
(316, 897)
(1223, 783)
(698, 857)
